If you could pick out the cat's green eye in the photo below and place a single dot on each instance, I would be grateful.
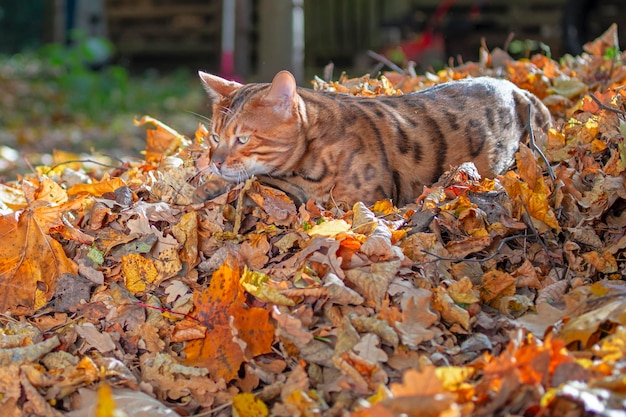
(243, 139)
(215, 138)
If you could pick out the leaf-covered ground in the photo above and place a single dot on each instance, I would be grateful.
(492, 297)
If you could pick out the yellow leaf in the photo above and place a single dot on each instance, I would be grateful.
(50, 192)
(450, 311)
(597, 146)
(138, 270)
(556, 139)
(533, 200)
(12, 197)
(105, 406)
(453, 376)
(462, 292)
(383, 207)
(495, 285)
(246, 404)
(329, 229)
(257, 284)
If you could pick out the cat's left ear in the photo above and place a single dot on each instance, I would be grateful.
(217, 87)
(282, 91)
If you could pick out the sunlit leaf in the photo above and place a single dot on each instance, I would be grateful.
(30, 262)
(161, 140)
(220, 307)
(247, 405)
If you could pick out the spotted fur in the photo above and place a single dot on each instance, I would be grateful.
(321, 144)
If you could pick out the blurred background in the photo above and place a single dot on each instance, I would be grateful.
(73, 73)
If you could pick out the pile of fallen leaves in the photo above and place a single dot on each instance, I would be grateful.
(123, 293)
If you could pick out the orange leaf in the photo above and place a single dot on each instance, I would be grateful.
(495, 285)
(97, 189)
(161, 140)
(221, 308)
(423, 389)
(30, 262)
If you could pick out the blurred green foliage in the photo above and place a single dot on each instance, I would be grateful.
(64, 84)
(71, 98)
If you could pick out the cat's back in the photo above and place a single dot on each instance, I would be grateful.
(411, 139)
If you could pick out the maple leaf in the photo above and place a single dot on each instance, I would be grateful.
(221, 309)
(30, 262)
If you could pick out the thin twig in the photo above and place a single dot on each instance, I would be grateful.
(606, 297)
(386, 61)
(534, 146)
(214, 410)
(531, 226)
(493, 255)
(84, 161)
(604, 106)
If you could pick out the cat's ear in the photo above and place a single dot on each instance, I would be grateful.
(283, 90)
(217, 87)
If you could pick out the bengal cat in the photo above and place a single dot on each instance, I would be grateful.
(325, 146)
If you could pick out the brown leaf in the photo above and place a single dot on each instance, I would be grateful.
(583, 327)
(495, 285)
(417, 318)
(372, 282)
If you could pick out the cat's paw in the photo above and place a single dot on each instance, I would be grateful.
(211, 189)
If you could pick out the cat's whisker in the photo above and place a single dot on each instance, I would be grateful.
(204, 171)
(201, 117)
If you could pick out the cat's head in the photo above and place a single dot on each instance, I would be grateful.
(255, 127)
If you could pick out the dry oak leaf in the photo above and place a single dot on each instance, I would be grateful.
(186, 232)
(421, 394)
(11, 389)
(221, 308)
(545, 317)
(30, 261)
(417, 318)
(276, 204)
(372, 282)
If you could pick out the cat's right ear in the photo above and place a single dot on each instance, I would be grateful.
(217, 87)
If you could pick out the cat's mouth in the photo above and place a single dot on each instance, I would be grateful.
(238, 173)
